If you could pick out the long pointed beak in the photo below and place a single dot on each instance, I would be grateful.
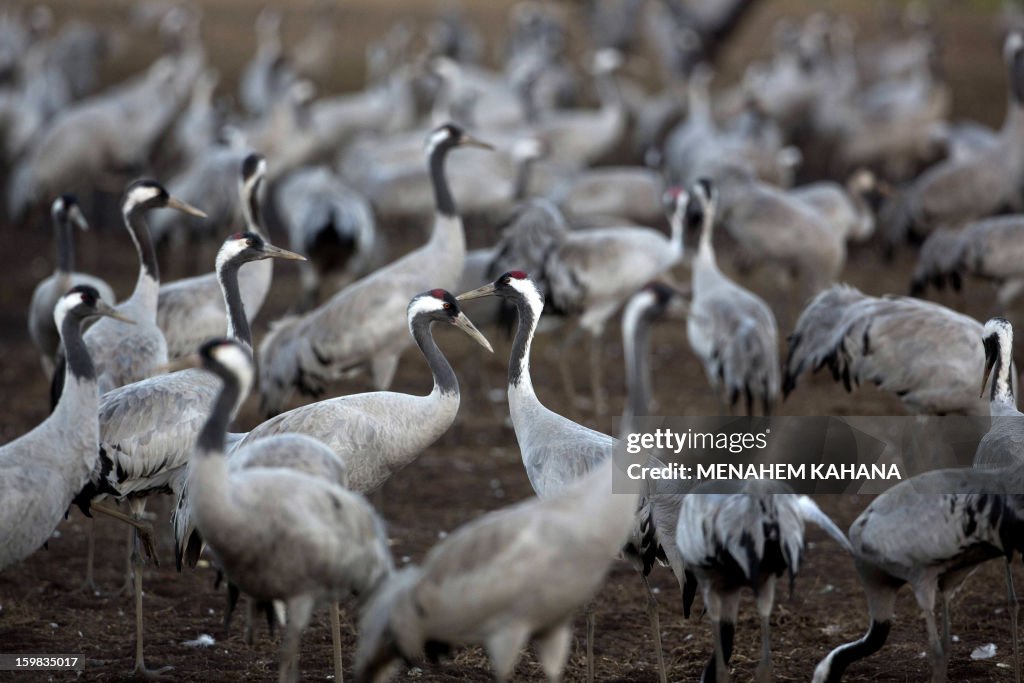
(479, 292)
(277, 252)
(468, 140)
(185, 207)
(105, 309)
(77, 218)
(192, 360)
(467, 326)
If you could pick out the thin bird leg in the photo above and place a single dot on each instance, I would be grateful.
(926, 601)
(250, 619)
(140, 661)
(563, 367)
(597, 372)
(590, 641)
(143, 529)
(947, 638)
(652, 613)
(339, 674)
(765, 598)
(1014, 606)
(89, 584)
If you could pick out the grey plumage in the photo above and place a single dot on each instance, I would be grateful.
(965, 188)
(41, 328)
(122, 357)
(148, 428)
(929, 531)
(41, 470)
(924, 353)
(990, 249)
(744, 533)
(587, 274)
(330, 223)
(375, 433)
(555, 450)
(730, 329)
(362, 324)
(192, 310)
(512, 577)
(315, 541)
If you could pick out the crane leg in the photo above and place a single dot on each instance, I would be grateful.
(339, 674)
(652, 613)
(89, 584)
(590, 642)
(926, 601)
(765, 598)
(1014, 607)
(140, 660)
(597, 373)
(300, 610)
(565, 370)
(553, 650)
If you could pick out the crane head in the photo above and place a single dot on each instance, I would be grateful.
(438, 305)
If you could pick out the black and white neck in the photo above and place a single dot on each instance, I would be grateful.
(1013, 54)
(136, 202)
(233, 364)
(229, 260)
(63, 235)
(529, 305)
(702, 200)
(68, 320)
(439, 144)
(254, 169)
(445, 381)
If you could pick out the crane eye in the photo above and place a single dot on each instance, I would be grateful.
(447, 305)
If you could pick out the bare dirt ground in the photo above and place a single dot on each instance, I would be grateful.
(473, 469)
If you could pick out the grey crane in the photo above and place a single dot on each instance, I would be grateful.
(361, 325)
(744, 533)
(504, 580)
(924, 353)
(65, 212)
(315, 541)
(269, 72)
(375, 433)
(730, 329)
(42, 470)
(917, 533)
(932, 530)
(124, 357)
(989, 249)
(846, 209)
(330, 223)
(190, 311)
(588, 274)
(303, 454)
(961, 189)
(555, 450)
(101, 134)
(148, 428)
(775, 229)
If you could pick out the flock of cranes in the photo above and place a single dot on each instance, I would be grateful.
(143, 399)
